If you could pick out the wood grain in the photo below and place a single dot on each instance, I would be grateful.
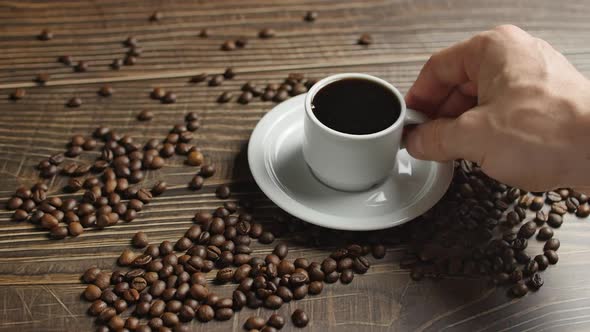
(39, 278)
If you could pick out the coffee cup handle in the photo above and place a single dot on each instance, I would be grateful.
(412, 118)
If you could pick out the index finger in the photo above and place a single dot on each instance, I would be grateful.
(443, 72)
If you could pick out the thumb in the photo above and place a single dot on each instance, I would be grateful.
(447, 139)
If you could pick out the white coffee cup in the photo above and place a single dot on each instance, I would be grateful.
(351, 162)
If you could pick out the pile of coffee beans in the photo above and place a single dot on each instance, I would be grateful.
(166, 284)
(111, 183)
(483, 227)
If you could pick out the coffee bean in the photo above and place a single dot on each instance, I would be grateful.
(92, 293)
(310, 16)
(542, 262)
(65, 59)
(199, 292)
(170, 319)
(516, 275)
(45, 35)
(157, 308)
(97, 307)
(365, 39)
(551, 256)
(273, 302)
(198, 79)
(74, 102)
(245, 97)
(156, 324)
(75, 228)
(204, 33)
(520, 289)
(519, 244)
(266, 33)
(545, 233)
(346, 276)
(18, 94)
(42, 78)
(531, 267)
(145, 115)
(81, 66)
(266, 238)
(223, 191)
(58, 233)
(187, 313)
(537, 203)
(583, 211)
(223, 314)
(559, 208)
(281, 95)
(126, 257)
(48, 221)
(344, 264)
(552, 244)
(299, 318)
(254, 322)
(116, 64)
(572, 204)
(225, 275)
(228, 45)
(158, 93)
(527, 230)
(536, 281)
(205, 313)
(554, 220)
(120, 305)
(169, 98)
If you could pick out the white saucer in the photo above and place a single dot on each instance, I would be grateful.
(276, 162)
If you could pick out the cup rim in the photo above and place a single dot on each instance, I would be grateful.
(337, 77)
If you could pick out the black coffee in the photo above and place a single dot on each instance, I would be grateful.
(356, 106)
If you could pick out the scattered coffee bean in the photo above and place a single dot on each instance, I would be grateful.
(18, 94)
(81, 66)
(65, 59)
(74, 102)
(42, 78)
(266, 33)
(198, 78)
(156, 16)
(310, 16)
(204, 33)
(228, 45)
(254, 322)
(116, 64)
(145, 115)
(140, 240)
(299, 318)
(216, 80)
(365, 39)
(45, 35)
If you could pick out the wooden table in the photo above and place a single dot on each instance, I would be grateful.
(39, 278)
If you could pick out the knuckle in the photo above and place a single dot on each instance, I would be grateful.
(508, 29)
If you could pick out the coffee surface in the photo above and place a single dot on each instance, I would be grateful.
(356, 106)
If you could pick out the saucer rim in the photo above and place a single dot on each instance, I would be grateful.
(272, 190)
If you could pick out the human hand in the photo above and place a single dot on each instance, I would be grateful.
(509, 102)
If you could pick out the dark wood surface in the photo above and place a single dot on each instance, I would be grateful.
(39, 278)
